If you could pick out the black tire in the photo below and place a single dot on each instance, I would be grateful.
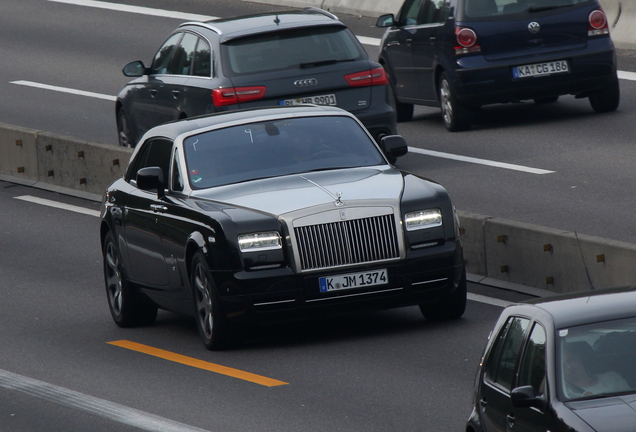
(456, 116)
(451, 307)
(123, 130)
(127, 308)
(213, 325)
(608, 99)
(546, 100)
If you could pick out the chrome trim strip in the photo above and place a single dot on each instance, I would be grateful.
(430, 281)
(354, 295)
(275, 302)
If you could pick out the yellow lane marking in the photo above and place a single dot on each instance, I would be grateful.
(200, 364)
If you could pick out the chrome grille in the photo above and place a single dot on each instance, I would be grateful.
(347, 242)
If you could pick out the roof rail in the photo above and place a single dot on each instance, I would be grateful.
(321, 11)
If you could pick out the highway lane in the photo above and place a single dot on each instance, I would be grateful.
(591, 157)
(368, 372)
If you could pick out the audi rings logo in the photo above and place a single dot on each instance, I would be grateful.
(534, 27)
(309, 82)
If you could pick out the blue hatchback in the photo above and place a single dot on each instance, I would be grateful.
(462, 54)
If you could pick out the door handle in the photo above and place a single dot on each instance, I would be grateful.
(483, 403)
(409, 41)
(175, 93)
(153, 92)
(432, 40)
(511, 420)
(158, 208)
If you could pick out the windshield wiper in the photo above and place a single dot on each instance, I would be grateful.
(322, 63)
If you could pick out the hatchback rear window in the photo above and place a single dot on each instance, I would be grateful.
(291, 49)
(495, 8)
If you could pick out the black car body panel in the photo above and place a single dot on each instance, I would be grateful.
(339, 214)
(278, 58)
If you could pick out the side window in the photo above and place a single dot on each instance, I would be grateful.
(181, 63)
(501, 364)
(155, 153)
(532, 370)
(433, 11)
(163, 56)
(202, 64)
(410, 12)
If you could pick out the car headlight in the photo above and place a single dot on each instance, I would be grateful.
(423, 219)
(259, 241)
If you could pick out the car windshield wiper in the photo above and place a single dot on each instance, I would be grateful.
(322, 63)
(545, 8)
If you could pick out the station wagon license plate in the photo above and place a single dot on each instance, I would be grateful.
(329, 99)
(540, 69)
(353, 280)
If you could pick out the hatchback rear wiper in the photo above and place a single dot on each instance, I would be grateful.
(322, 63)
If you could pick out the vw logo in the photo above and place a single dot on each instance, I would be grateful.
(309, 82)
(534, 27)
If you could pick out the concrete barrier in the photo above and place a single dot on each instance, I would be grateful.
(497, 249)
(621, 14)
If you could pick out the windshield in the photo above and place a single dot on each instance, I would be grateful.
(295, 49)
(276, 148)
(597, 360)
(495, 8)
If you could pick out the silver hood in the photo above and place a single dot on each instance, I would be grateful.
(281, 195)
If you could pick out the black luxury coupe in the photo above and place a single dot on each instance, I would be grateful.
(279, 212)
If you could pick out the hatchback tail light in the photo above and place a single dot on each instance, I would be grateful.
(466, 41)
(235, 95)
(371, 77)
(598, 23)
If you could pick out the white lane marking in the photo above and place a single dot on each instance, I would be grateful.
(59, 205)
(627, 75)
(479, 161)
(369, 40)
(65, 90)
(488, 300)
(109, 410)
(184, 16)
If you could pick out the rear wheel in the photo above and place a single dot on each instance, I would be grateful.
(213, 326)
(127, 308)
(608, 99)
(123, 130)
(451, 307)
(457, 116)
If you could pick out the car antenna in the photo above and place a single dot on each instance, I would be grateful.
(277, 20)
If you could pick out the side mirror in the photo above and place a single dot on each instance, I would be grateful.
(135, 69)
(393, 146)
(151, 179)
(525, 397)
(385, 21)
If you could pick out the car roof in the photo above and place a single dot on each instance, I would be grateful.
(245, 25)
(173, 129)
(586, 307)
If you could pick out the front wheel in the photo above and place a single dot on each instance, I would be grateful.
(451, 307)
(608, 99)
(213, 326)
(127, 308)
(457, 116)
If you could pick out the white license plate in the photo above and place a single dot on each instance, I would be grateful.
(329, 99)
(353, 280)
(540, 69)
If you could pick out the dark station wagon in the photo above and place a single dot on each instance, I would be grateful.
(280, 58)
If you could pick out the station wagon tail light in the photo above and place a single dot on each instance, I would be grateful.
(423, 219)
(260, 241)
(598, 23)
(371, 77)
(466, 41)
(235, 95)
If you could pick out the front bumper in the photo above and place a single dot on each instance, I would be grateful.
(424, 276)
